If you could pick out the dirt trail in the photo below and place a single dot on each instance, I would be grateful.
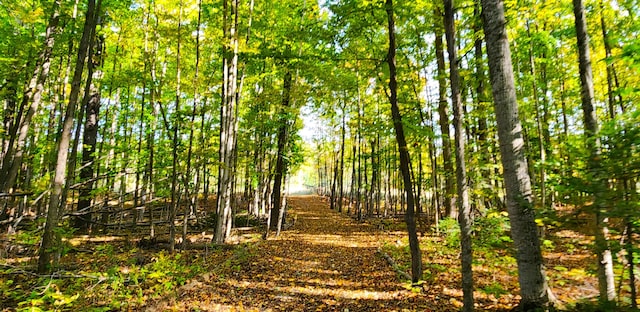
(326, 262)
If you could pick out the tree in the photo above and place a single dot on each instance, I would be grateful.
(14, 149)
(464, 209)
(57, 185)
(443, 112)
(91, 105)
(414, 246)
(531, 276)
(228, 124)
(605, 260)
(281, 159)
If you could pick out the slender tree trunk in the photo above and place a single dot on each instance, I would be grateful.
(227, 121)
(193, 199)
(49, 242)
(533, 284)
(154, 94)
(341, 171)
(449, 206)
(539, 121)
(89, 140)
(281, 159)
(9, 112)
(464, 209)
(14, 153)
(416, 256)
(73, 153)
(176, 130)
(610, 65)
(483, 106)
(334, 183)
(605, 261)
(630, 258)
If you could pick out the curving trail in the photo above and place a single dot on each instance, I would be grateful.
(326, 262)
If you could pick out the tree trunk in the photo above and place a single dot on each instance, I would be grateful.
(13, 155)
(227, 120)
(341, 171)
(89, 137)
(175, 197)
(334, 183)
(449, 206)
(49, 242)
(539, 121)
(281, 159)
(485, 147)
(531, 276)
(605, 261)
(611, 70)
(462, 201)
(193, 198)
(405, 162)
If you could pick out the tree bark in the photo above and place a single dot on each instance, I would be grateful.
(342, 146)
(175, 197)
(484, 145)
(90, 134)
(539, 121)
(605, 261)
(227, 121)
(49, 241)
(281, 159)
(611, 70)
(462, 200)
(531, 276)
(13, 155)
(405, 162)
(449, 206)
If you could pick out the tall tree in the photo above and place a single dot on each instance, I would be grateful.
(13, 153)
(443, 113)
(603, 251)
(405, 162)
(228, 121)
(90, 135)
(281, 157)
(175, 197)
(59, 180)
(531, 276)
(462, 200)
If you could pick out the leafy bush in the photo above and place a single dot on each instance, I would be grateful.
(451, 231)
(489, 231)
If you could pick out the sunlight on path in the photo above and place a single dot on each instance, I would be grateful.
(327, 262)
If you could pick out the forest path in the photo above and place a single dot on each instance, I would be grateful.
(326, 262)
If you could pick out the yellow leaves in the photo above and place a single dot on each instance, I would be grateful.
(29, 15)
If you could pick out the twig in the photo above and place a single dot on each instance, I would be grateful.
(393, 264)
(55, 275)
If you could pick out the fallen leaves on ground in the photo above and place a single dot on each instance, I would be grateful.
(326, 262)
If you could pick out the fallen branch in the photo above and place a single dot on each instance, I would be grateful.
(54, 275)
(393, 264)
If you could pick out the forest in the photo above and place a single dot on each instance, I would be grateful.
(330, 155)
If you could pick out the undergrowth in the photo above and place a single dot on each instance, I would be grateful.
(112, 278)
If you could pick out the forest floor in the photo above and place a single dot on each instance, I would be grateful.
(331, 262)
(326, 261)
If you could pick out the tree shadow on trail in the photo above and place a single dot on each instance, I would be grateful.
(327, 262)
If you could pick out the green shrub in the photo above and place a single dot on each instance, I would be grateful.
(491, 230)
(450, 228)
